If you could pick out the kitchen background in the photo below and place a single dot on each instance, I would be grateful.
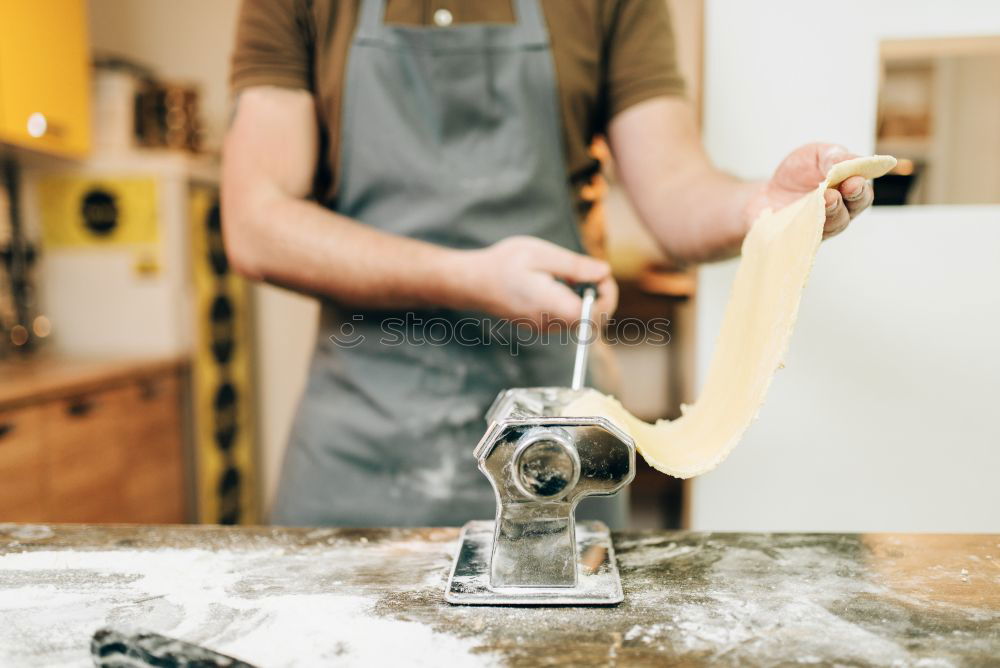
(141, 381)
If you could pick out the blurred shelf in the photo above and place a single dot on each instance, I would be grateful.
(668, 283)
(904, 147)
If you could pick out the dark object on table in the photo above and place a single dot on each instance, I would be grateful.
(116, 649)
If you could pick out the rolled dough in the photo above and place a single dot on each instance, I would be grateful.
(777, 255)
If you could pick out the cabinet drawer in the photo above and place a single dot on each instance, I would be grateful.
(85, 446)
(155, 429)
(22, 477)
(155, 495)
(154, 488)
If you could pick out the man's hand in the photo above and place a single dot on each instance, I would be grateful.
(516, 279)
(697, 212)
(800, 173)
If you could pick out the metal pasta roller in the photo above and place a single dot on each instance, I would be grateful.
(541, 464)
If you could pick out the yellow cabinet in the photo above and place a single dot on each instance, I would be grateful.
(45, 76)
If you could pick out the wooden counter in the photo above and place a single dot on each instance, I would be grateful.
(44, 378)
(278, 597)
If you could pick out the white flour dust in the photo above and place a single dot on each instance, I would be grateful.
(268, 607)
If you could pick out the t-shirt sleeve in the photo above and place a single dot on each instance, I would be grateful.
(273, 45)
(642, 58)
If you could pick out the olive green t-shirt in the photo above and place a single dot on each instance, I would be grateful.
(609, 55)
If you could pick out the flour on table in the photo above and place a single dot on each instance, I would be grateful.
(222, 600)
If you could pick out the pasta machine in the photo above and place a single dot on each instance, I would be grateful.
(541, 463)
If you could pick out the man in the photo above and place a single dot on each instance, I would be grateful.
(427, 158)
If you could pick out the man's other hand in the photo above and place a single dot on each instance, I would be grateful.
(800, 173)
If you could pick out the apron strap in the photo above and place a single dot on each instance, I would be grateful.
(528, 14)
(528, 18)
(372, 18)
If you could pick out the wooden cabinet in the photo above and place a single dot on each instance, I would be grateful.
(84, 448)
(154, 484)
(45, 76)
(22, 480)
(101, 446)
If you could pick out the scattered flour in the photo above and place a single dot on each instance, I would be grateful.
(235, 602)
(754, 604)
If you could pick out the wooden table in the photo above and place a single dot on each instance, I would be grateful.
(374, 597)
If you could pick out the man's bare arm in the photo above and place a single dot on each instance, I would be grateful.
(697, 212)
(274, 233)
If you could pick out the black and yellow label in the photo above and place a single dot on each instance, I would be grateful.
(79, 211)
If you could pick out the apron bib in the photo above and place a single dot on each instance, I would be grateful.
(452, 136)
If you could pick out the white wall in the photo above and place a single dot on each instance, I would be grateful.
(802, 70)
(286, 327)
(885, 416)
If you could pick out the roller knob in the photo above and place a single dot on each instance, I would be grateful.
(546, 466)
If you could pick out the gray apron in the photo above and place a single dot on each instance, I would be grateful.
(452, 136)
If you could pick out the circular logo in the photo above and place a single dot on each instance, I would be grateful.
(100, 212)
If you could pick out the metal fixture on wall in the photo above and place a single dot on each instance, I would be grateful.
(21, 327)
(166, 115)
(138, 108)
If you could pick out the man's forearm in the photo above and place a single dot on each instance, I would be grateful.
(273, 232)
(298, 244)
(695, 211)
(699, 213)
(701, 216)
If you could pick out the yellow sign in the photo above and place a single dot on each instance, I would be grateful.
(93, 211)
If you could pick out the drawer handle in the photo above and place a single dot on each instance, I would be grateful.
(80, 408)
(6, 428)
(149, 390)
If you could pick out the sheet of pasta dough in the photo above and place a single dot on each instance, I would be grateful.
(777, 255)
